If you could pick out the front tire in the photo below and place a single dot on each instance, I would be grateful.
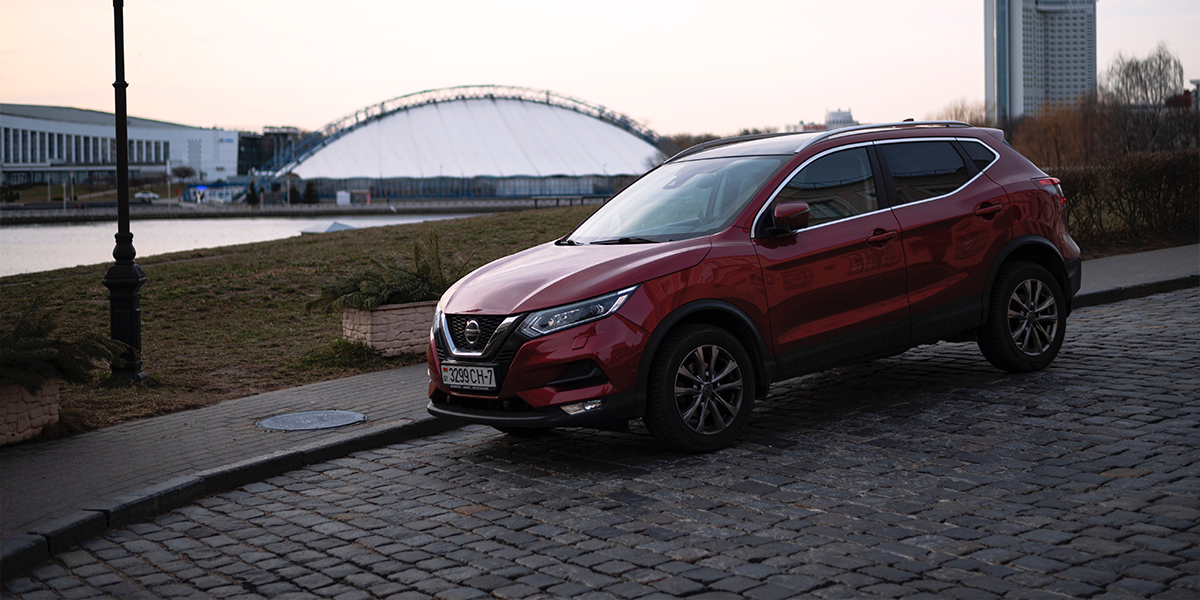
(701, 390)
(1027, 319)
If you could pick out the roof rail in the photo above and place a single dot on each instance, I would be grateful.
(878, 126)
(725, 141)
(823, 136)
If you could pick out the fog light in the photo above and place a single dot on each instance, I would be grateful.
(581, 407)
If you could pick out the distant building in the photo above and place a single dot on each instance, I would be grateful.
(481, 141)
(256, 149)
(1037, 52)
(834, 119)
(52, 144)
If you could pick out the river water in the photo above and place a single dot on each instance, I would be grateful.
(32, 248)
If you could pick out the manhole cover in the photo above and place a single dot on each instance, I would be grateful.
(312, 419)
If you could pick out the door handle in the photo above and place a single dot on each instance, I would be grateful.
(880, 237)
(988, 211)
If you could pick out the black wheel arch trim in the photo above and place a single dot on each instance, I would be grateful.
(760, 355)
(1058, 269)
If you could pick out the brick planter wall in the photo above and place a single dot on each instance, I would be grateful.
(25, 415)
(392, 329)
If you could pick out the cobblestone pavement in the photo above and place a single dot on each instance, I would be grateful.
(929, 474)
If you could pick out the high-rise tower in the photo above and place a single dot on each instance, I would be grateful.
(1037, 52)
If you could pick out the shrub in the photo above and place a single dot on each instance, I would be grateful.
(1138, 195)
(30, 353)
(427, 278)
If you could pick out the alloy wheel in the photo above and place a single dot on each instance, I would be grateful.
(1032, 317)
(708, 389)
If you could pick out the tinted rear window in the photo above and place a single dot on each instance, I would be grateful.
(980, 154)
(923, 170)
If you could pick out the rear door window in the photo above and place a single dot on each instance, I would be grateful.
(923, 170)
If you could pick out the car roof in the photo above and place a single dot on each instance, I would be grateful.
(791, 143)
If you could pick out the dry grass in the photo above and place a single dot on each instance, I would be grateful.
(230, 322)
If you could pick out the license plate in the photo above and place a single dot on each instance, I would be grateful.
(469, 378)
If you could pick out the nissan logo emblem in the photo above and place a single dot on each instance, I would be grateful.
(472, 332)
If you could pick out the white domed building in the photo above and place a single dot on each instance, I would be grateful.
(474, 141)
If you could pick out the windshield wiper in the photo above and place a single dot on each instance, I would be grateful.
(566, 242)
(628, 240)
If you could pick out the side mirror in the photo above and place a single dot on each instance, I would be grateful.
(790, 216)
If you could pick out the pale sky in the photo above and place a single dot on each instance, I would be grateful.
(677, 66)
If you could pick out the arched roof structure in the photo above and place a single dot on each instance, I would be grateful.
(474, 131)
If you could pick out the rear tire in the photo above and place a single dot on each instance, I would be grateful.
(1027, 319)
(701, 390)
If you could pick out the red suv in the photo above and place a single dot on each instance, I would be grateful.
(755, 259)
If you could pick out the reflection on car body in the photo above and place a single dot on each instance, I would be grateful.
(744, 261)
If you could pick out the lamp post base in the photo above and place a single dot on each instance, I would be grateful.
(124, 282)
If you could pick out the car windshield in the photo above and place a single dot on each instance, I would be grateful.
(679, 201)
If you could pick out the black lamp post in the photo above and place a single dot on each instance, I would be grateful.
(125, 278)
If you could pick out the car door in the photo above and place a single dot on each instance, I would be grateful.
(835, 289)
(954, 220)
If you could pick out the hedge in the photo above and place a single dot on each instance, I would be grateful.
(1138, 196)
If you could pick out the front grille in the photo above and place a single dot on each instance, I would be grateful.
(458, 327)
(500, 358)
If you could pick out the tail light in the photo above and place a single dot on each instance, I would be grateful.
(1052, 187)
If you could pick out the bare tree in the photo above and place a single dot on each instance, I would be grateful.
(963, 110)
(1144, 82)
(758, 130)
(1136, 92)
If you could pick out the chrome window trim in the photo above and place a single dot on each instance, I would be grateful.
(489, 349)
(763, 210)
(942, 139)
(995, 155)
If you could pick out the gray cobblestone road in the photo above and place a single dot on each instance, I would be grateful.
(925, 475)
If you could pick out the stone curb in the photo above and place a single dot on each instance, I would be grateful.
(1129, 292)
(20, 553)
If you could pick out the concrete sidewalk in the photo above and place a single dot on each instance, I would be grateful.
(55, 494)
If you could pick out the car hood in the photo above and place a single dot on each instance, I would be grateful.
(550, 275)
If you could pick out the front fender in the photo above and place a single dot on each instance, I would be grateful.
(702, 311)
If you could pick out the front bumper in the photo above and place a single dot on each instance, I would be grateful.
(613, 409)
(536, 377)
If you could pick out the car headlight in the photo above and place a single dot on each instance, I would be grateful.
(437, 320)
(569, 315)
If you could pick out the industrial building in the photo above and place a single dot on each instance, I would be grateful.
(53, 144)
(472, 141)
(1037, 53)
